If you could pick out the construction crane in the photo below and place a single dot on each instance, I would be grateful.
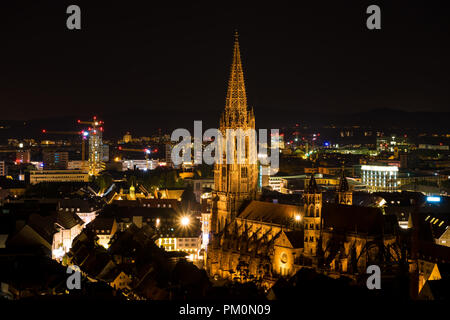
(94, 123)
(83, 134)
(95, 152)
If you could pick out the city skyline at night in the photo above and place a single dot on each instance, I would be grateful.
(269, 156)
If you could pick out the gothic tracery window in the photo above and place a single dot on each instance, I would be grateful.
(244, 172)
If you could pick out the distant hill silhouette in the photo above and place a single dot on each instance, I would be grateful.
(145, 122)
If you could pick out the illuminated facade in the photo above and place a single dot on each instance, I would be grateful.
(263, 243)
(2, 169)
(68, 226)
(76, 165)
(190, 245)
(62, 240)
(143, 165)
(380, 178)
(312, 217)
(95, 152)
(234, 183)
(95, 148)
(38, 176)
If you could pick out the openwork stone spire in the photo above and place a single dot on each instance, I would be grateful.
(235, 114)
(235, 181)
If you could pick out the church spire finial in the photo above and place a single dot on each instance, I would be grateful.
(344, 195)
(312, 185)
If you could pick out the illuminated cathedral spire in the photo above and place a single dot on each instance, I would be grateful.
(237, 182)
(236, 114)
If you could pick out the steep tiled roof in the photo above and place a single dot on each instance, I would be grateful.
(128, 212)
(67, 219)
(102, 223)
(295, 238)
(171, 193)
(43, 225)
(149, 203)
(367, 220)
(269, 212)
(83, 205)
(431, 251)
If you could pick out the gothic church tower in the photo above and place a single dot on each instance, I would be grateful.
(313, 217)
(236, 182)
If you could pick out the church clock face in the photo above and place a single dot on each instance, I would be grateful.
(284, 257)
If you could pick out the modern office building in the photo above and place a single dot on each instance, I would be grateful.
(380, 178)
(168, 154)
(95, 152)
(77, 165)
(55, 160)
(58, 176)
(2, 169)
(23, 156)
(105, 153)
(143, 165)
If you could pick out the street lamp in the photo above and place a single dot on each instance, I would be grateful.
(185, 221)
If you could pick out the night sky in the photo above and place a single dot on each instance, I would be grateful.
(172, 61)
